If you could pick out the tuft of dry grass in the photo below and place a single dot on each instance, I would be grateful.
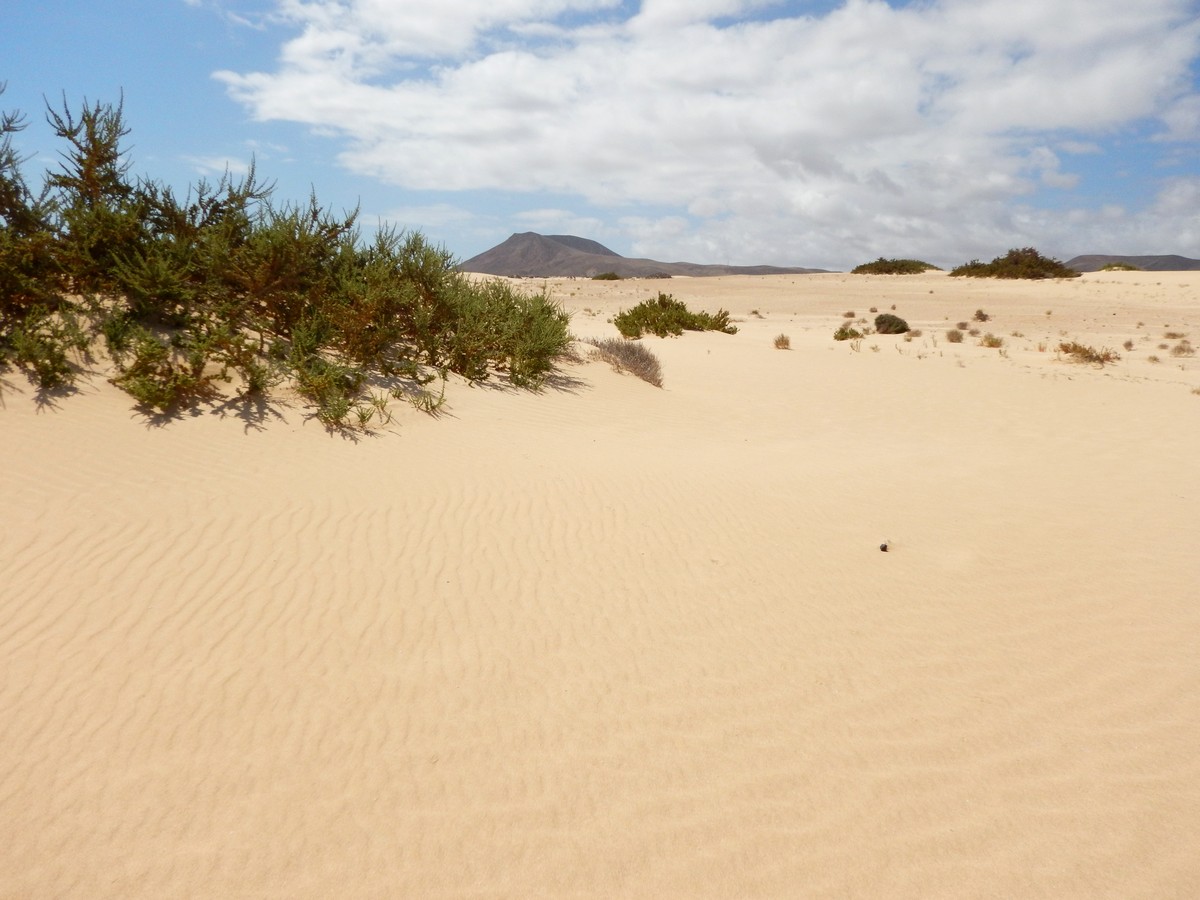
(849, 314)
(629, 356)
(1183, 348)
(954, 336)
(991, 340)
(783, 342)
(1128, 345)
(1174, 335)
(1082, 353)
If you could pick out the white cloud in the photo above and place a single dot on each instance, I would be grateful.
(215, 166)
(784, 139)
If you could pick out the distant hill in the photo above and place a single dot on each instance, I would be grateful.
(532, 255)
(1096, 262)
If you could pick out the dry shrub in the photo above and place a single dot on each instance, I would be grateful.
(954, 336)
(1183, 348)
(628, 356)
(783, 342)
(1084, 354)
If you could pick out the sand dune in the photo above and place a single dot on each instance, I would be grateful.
(617, 641)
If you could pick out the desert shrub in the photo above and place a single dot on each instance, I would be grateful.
(1128, 345)
(628, 356)
(954, 336)
(163, 377)
(962, 326)
(184, 292)
(1174, 335)
(980, 316)
(26, 242)
(1022, 263)
(665, 316)
(887, 323)
(1084, 354)
(40, 342)
(1119, 267)
(883, 266)
(991, 340)
(783, 342)
(1183, 348)
(606, 276)
(847, 333)
(849, 314)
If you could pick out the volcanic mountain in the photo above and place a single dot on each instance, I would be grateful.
(532, 255)
(1095, 262)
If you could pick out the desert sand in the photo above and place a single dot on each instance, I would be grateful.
(613, 640)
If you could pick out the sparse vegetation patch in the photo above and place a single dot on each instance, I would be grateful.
(1084, 354)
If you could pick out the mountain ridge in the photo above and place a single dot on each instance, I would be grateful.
(1093, 262)
(532, 255)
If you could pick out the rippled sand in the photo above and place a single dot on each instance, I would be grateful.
(617, 641)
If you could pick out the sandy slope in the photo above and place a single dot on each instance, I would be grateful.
(620, 641)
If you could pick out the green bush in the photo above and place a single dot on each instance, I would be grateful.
(184, 292)
(1023, 263)
(665, 316)
(40, 343)
(847, 333)
(886, 323)
(606, 276)
(883, 266)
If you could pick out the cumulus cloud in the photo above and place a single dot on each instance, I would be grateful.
(756, 133)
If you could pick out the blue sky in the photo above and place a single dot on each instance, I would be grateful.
(742, 131)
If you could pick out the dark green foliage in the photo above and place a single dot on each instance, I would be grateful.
(98, 211)
(1120, 267)
(186, 292)
(161, 376)
(847, 333)
(1023, 263)
(886, 323)
(883, 266)
(665, 316)
(606, 276)
(40, 343)
(26, 260)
